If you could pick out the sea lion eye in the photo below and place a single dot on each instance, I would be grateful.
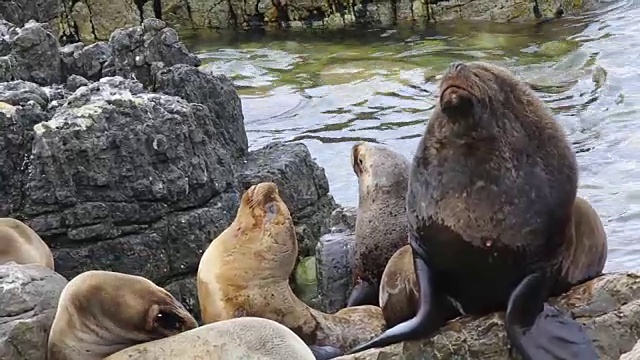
(168, 320)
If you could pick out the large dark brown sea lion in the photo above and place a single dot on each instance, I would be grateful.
(102, 312)
(19, 243)
(399, 286)
(245, 272)
(490, 204)
(381, 225)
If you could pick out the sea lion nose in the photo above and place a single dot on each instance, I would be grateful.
(458, 66)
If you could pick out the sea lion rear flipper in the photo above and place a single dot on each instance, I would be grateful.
(540, 331)
(364, 293)
(325, 352)
(432, 313)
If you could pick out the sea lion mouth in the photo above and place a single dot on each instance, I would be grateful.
(456, 99)
(263, 194)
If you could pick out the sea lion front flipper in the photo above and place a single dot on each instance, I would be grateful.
(433, 311)
(325, 352)
(538, 330)
(364, 293)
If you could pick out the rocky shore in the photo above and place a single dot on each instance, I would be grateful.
(126, 156)
(95, 20)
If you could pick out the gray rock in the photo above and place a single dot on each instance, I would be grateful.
(141, 51)
(74, 82)
(19, 12)
(21, 107)
(29, 296)
(334, 260)
(608, 307)
(34, 55)
(303, 185)
(86, 61)
(216, 92)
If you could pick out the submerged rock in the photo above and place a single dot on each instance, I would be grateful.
(29, 296)
(608, 307)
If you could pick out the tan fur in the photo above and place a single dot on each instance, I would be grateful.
(585, 253)
(245, 272)
(381, 227)
(19, 243)
(233, 339)
(399, 288)
(102, 312)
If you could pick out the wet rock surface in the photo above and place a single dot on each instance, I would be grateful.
(29, 296)
(334, 256)
(608, 307)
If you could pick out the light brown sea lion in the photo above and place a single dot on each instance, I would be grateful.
(102, 312)
(490, 202)
(234, 339)
(19, 243)
(381, 225)
(399, 285)
(245, 272)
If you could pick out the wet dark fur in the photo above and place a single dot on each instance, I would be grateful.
(490, 199)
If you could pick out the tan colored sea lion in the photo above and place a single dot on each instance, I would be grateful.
(19, 243)
(492, 189)
(233, 339)
(381, 222)
(399, 285)
(102, 312)
(245, 272)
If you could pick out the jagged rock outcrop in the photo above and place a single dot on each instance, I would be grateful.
(634, 354)
(29, 296)
(87, 61)
(142, 51)
(19, 12)
(96, 19)
(29, 53)
(334, 260)
(608, 307)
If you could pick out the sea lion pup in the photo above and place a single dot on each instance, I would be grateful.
(245, 272)
(19, 243)
(102, 312)
(399, 286)
(490, 202)
(381, 226)
(233, 339)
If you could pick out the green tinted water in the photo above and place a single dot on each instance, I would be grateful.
(329, 90)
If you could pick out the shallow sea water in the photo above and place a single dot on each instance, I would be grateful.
(331, 89)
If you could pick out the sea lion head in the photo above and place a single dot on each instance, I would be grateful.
(265, 220)
(101, 312)
(379, 167)
(475, 93)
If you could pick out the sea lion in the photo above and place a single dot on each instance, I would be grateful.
(381, 226)
(233, 339)
(491, 193)
(245, 272)
(399, 288)
(19, 243)
(399, 285)
(102, 312)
